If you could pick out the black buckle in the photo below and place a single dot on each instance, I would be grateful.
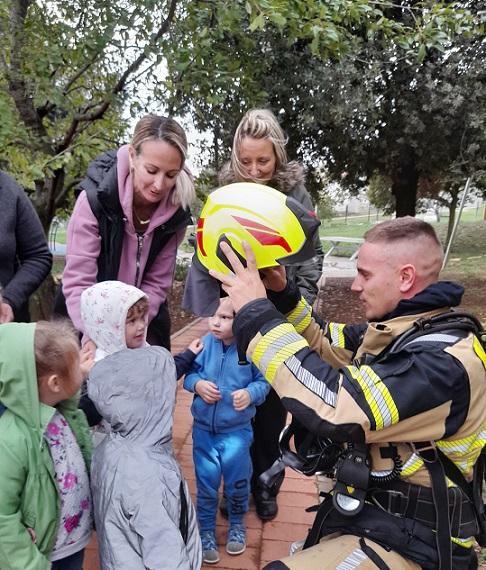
(394, 501)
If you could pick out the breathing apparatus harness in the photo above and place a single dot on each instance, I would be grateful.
(356, 486)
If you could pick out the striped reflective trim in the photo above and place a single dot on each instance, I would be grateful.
(353, 560)
(411, 466)
(336, 331)
(301, 316)
(470, 446)
(275, 347)
(383, 473)
(435, 337)
(308, 380)
(466, 542)
(479, 350)
(380, 401)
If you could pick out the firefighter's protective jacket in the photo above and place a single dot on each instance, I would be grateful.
(338, 381)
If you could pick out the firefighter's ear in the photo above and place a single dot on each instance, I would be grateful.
(407, 277)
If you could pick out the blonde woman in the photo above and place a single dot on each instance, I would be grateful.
(259, 155)
(129, 219)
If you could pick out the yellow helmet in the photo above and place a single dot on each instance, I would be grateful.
(278, 228)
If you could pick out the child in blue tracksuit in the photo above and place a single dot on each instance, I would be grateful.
(225, 396)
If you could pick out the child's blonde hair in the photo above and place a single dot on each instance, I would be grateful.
(227, 301)
(56, 348)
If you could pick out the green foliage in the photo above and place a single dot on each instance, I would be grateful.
(67, 68)
(362, 88)
(233, 56)
(181, 268)
(379, 194)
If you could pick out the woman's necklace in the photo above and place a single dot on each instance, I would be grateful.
(144, 222)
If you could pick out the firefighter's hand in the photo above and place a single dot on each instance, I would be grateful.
(245, 285)
(208, 391)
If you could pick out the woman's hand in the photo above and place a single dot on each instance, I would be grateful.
(6, 313)
(275, 278)
(245, 285)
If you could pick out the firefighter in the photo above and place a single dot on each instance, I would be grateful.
(410, 407)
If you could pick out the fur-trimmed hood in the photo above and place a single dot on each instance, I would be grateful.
(284, 179)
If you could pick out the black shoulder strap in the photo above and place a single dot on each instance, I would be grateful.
(450, 321)
(429, 453)
(480, 507)
(473, 491)
(445, 322)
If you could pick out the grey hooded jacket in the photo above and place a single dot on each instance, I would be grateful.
(139, 491)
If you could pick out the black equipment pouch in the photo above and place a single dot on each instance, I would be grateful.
(352, 480)
(405, 536)
(477, 488)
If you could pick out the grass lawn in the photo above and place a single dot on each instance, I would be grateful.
(467, 256)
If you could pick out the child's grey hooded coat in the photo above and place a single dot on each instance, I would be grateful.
(137, 484)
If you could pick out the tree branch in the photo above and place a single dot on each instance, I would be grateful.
(18, 88)
(120, 85)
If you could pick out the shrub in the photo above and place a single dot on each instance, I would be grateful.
(181, 268)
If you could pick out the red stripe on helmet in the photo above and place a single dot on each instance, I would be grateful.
(199, 234)
(264, 234)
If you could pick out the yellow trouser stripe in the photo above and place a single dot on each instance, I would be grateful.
(301, 316)
(276, 347)
(377, 395)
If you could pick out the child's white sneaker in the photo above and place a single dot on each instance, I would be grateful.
(209, 546)
(236, 539)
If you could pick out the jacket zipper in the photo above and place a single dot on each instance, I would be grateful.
(220, 377)
(139, 254)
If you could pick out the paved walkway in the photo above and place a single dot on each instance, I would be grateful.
(265, 541)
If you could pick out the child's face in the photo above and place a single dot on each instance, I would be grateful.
(221, 323)
(71, 388)
(135, 326)
(54, 388)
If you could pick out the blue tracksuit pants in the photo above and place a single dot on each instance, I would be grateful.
(227, 456)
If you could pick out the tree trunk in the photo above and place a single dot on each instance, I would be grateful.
(41, 303)
(404, 188)
(452, 214)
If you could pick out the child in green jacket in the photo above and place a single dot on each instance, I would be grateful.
(45, 449)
